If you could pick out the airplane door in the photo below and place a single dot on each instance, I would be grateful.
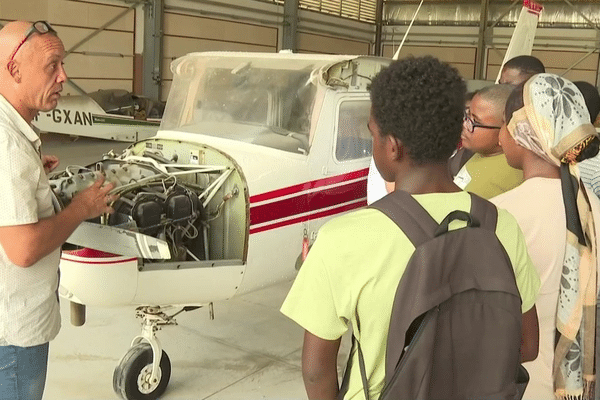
(346, 157)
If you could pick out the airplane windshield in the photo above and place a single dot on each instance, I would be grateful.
(218, 96)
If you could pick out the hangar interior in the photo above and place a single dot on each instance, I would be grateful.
(130, 44)
(250, 351)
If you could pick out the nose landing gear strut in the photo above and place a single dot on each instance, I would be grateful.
(144, 371)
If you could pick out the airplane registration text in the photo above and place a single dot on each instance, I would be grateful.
(69, 117)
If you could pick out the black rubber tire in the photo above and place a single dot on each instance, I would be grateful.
(125, 377)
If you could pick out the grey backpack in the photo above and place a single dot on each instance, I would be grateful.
(455, 328)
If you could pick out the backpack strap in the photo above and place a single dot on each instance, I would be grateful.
(456, 162)
(361, 364)
(485, 212)
(409, 215)
(419, 227)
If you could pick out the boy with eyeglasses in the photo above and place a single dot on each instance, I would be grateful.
(31, 231)
(486, 173)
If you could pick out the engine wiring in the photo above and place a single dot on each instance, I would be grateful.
(156, 197)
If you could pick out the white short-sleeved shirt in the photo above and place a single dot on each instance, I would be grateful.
(29, 309)
(375, 184)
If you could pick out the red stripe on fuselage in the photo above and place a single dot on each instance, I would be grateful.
(309, 185)
(312, 204)
(95, 261)
(322, 214)
(308, 202)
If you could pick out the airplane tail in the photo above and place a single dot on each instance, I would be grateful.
(521, 42)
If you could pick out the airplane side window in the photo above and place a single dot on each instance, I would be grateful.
(353, 138)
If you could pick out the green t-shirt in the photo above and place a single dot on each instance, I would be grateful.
(355, 267)
(488, 176)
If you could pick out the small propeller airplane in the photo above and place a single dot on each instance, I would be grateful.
(254, 154)
(105, 114)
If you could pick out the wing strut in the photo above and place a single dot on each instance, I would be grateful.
(406, 33)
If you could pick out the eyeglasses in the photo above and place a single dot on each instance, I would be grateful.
(41, 27)
(471, 125)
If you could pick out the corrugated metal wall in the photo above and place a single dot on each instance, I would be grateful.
(106, 61)
(445, 30)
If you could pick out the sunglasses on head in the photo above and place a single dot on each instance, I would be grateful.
(41, 27)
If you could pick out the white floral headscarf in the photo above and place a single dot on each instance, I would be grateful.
(555, 124)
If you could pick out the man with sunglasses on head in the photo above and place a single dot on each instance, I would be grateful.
(486, 173)
(31, 231)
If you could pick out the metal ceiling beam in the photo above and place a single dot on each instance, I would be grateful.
(589, 21)
(92, 35)
(97, 31)
(290, 25)
(589, 53)
(378, 27)
(505, 13)
(152, 54)
(483, 22)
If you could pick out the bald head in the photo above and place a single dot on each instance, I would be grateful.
(31, 71)
(10, 36)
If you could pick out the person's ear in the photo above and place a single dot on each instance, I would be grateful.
(13, 70)
(396, 147)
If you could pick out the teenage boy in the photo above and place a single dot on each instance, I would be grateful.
(353, 269)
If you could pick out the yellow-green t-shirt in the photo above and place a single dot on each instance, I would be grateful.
(488, 176)
(355, 267)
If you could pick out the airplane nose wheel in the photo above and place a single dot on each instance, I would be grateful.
(145, 370)
(133, 379)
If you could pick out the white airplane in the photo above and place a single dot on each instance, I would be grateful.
(104, 114)
(254, 154)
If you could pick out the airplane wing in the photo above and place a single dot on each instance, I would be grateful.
(119, 241)
(521, 42)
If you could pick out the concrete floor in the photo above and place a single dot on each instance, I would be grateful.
(250, 351)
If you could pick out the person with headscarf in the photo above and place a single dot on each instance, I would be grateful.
(547, 131)
(590, 168)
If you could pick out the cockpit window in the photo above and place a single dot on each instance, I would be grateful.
(262, 101)
(353, 137)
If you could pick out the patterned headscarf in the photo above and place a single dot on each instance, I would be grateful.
(555, 124)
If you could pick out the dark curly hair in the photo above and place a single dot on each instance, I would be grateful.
(420, 101)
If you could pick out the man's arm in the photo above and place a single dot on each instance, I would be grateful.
(50, 163)
(529, 335)
(27, 244)
(319, 367)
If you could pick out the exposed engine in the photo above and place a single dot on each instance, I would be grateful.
(158, 198)
(168, 212)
